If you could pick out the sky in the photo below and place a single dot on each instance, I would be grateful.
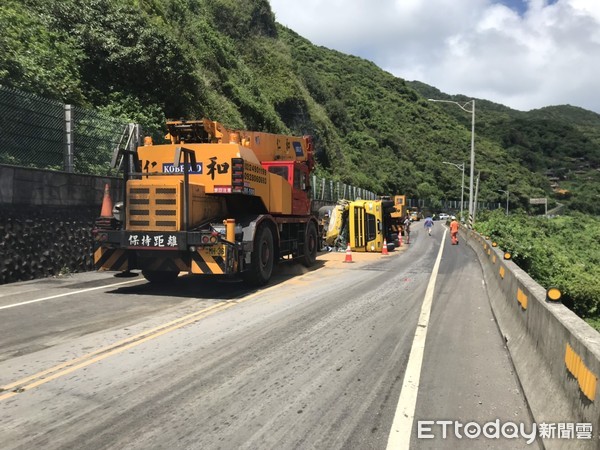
(525, 54)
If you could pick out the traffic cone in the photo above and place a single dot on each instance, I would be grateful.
(400, 239)
(107, 204)
(348, 254)
(384, 250)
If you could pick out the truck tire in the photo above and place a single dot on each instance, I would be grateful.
(262, 259)
(311, 244)
(160, 276)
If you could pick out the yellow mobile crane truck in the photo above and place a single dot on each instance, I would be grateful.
(212, 201)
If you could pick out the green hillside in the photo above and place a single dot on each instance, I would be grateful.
(147, 60)
(560, 142)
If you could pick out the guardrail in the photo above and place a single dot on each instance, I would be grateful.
(555, 353)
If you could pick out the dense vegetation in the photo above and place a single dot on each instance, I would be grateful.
(146, 60)
(563, 252)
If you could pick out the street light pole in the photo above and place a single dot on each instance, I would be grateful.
(506, 192)
(472, 168)
(462, 186)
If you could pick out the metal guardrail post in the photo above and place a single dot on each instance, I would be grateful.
(139, 138)
(135, 132)
(68, 159)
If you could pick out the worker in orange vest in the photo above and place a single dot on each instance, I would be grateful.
(454, 230)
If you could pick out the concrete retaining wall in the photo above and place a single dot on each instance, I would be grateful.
(46, 219)
(555, 353)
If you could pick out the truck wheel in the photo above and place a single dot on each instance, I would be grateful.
(160, 276)
(311, 243)
(263, 257)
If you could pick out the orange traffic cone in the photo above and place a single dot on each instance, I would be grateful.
(384, 250)
(107, 204)
(348, 254)
(399, 239)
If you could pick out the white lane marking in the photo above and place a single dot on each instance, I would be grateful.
(399, 438)
(70, 293)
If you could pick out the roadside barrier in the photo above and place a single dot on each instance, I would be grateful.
(555, 353)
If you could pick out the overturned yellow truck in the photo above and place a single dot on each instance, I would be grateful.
(364, 224)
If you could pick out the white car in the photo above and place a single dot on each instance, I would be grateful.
(444, 216)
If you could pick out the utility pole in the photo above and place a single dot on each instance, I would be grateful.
(462, 187)
(475, 199)
(472, 168)
(506, 192)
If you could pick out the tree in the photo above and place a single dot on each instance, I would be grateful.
(37, 59)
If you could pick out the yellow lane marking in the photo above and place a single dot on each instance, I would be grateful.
(100, 354)
(65, 368)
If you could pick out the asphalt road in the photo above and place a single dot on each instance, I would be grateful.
(316, 360)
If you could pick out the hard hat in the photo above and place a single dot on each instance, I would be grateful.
(453, 217)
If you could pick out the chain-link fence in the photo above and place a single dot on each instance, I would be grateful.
(32, 130)
(95, 138)
(46, 134)
(332, 191)
(449, 205)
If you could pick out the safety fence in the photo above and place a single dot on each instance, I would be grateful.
(329, 191)
(451, 205)
(46, 134)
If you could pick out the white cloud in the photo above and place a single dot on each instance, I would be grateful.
(548, 55)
